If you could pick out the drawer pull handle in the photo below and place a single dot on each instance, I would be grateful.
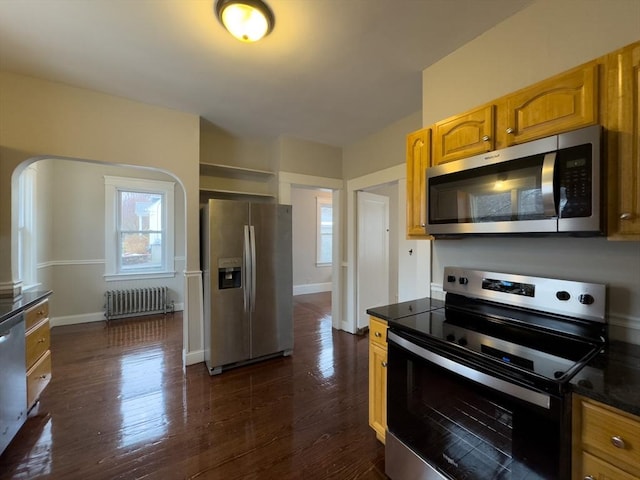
(40, 312)
(42, 340)
(43, 377)
(384, 364)
(510, 130)
(625, 216)
(378, 334)
(617, 442)
(589, 477)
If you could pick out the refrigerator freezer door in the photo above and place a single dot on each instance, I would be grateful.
(228, 334)
(272, 316)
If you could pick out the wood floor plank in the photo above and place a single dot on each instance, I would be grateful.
(121, 406)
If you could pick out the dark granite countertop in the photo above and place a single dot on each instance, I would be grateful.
(11, 306)
(613, 377)
(405, 309)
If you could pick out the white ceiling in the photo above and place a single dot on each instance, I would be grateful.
(332, 71)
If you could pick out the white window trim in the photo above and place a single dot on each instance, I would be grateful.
(111, 187)
(27, 228)
(321, 202)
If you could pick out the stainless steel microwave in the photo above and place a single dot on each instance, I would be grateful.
(547, 186)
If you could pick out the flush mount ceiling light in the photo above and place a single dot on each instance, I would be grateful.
(247, 20)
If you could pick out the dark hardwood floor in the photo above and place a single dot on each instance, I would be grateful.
(121, 406)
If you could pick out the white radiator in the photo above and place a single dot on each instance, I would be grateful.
(137, 301)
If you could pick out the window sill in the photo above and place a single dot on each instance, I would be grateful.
(112, 277)
(328, 264)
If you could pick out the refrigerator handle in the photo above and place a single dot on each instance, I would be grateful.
(253, 268)
(246, 261)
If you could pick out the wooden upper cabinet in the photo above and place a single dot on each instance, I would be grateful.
(622, 122)
(559, 104)
(464, 135)
(418, 155)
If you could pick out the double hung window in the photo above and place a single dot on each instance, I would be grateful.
(139, 227)
(324, 232)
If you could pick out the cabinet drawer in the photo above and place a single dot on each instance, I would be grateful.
(38, 342)
(38, 377)
(378, 331)
(615, 435)
(36, 314)
(600, 470)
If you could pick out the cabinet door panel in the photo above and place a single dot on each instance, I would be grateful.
(559, 104)
(622, 122)
(418, 155)
(464, 135)
(378, 390)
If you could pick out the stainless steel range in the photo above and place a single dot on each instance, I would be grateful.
(478, 389)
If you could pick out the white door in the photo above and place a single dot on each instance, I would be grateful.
(373, 254)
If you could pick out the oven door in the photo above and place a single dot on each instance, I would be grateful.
(451, 420)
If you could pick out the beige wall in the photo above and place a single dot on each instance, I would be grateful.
(547, 38)
(41, 118)
(309, 158)
(381, 150)
(220, 147)
(540, 41)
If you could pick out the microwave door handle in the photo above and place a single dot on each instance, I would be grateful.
(548, 171)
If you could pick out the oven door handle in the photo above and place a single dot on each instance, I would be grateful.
(529, 396)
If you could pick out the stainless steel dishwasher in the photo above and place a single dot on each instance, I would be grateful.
(13, 383)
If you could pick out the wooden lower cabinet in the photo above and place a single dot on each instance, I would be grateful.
(606, 442)
(38, 353)
(378, 377)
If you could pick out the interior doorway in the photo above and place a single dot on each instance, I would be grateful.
(67, 206)
(312, 239)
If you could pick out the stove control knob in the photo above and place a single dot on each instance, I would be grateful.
(562, 295)
(558, 373)
(586, 299)
(462, 342)
(451, 337)
(451, 278)
(463, 280)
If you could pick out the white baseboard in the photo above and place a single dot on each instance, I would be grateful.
(90, 317)
(77, 319)
(312, 288)
(191, 358)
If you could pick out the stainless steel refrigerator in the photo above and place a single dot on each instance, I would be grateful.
(248, 289)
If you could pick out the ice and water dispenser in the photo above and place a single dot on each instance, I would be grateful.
(229, 273)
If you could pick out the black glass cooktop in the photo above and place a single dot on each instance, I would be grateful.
(547, 347)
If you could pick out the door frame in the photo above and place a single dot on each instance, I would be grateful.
(287, 180)
(388, 175)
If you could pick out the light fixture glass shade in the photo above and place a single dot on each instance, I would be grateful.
(247, 20)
